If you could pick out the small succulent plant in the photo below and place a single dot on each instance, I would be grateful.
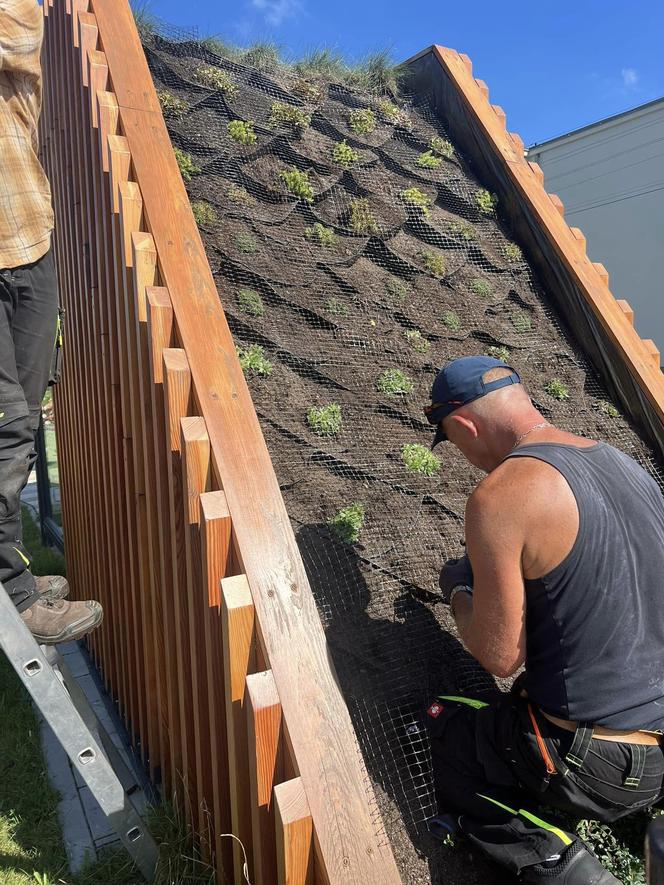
(428, 160)
(240, 196)
(608, 409)
(204, 214)
(215, 78)
(325, 420)
(442, 147)
(348, 522)
(394, 382)
(420, 459)
(485, 201)
(336, 307)
(522, 322)
(362, 121)
(344, 155)
(250, 302)
(246, 243)
(307, 91)
(394, 114)
(417, 340)
(252, 360)
(498, 353)
(512, 253)
(451, 320)
(557, 389)
(171, 106)
(298, 184)
(434, 262)
(282, 114)
(397, 290)
(186, 164)
(464, 230)
(323, 236)
(242, 131)
(361, 218)
(417, 199)
(481, 287)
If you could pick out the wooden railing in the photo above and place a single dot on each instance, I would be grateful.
(173, 517)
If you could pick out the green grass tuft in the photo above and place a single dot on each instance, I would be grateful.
(451, 320)
(362, 121)
(323, 236)
(215, 78)
(336, 307)
(485, 201)
(186, 164)
(394, 382)
(250, 302)
(417, 199)
(417, 341)
(204, 213)
(419, 459)
(557, 389)
(282, 114)
(242, 132)
(298, 184)
(512, 253)
(146, 21)
(264, 57)
(252, 360)
(172, 107)
(325, 420)
(344, 155)
(434, 262)
(376, 74)
(324, 63)
(478, 286)
(360, 217)
(498, 353)
(428, 160)
(347, 523)
(442, 147)
(221, 48)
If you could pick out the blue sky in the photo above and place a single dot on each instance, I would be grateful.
(553, 66)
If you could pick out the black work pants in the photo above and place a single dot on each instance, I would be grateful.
(28, 323)
(490, 770)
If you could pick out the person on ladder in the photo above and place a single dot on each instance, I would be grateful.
(29, 322)
(563, 576)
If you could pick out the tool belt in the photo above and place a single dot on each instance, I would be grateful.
(644, 738)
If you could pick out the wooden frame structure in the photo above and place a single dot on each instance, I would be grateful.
(212, 642)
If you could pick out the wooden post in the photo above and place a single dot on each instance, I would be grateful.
(294, 830)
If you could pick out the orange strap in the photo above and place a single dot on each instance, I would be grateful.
(550, 767)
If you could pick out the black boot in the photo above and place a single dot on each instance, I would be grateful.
(577, 866)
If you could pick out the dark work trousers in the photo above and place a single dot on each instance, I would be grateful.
(490, 770)
(28, 323)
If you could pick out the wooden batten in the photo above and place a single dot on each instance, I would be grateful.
(626, 309)
(294, 834)
(558, 204)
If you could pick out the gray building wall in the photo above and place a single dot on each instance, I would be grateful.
(610, 176)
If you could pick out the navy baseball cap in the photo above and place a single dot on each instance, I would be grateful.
(459, 383)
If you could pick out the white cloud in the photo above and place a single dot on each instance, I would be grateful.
(277, 11)
(630, 78)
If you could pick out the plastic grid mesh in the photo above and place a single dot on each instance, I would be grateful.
(331, 319)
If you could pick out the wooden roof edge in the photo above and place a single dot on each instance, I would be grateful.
(567, 244)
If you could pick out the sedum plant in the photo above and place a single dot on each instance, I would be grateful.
(242, 131)
(186, 164)
(464, 230)
(608, 409)
(557, 389)
(397, 289)
(250, 302)
(336, 307)
(485, 201)
(325, 420)
(394, 115)
(442, 147)
(204, 214)
(307, 91)
(478, 286)
(434, 262)
(394, 382)
(498, 353)
(282, 114)
(512, 253)
(420, 459)
(344, 155)
(240, 196)
(451, 320)
(361, 218)
(417, 341)
(298, 184)
(323, 236)
(252, 360)
(521, 322)
(416, 198)
(171, 106)
(362, 121)
(246, 243)
(348, 522)
(215, 78)
(428, 160)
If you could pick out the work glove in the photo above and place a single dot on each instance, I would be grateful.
(455, 573)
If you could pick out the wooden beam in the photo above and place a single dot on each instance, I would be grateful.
(626, 309)
(653, 352)
(602, 272)
(558, 204)
(580, 237)
(294, 831)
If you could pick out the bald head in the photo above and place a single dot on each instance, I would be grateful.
(498, 405)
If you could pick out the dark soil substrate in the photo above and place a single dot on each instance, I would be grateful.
(335, 319)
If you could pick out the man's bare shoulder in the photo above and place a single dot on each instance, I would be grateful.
(515, 488)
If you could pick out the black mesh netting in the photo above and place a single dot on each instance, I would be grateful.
(324, 295)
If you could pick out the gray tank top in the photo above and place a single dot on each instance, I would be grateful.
(595, 623)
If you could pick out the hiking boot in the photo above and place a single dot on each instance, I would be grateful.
(52, 587)
(61, 620)
(577, 866)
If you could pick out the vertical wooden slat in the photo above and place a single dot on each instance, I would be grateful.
(238, 633)
(294, 834)
(265, 770)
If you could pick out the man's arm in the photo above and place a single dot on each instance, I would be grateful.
(492, 622)
(21, 31)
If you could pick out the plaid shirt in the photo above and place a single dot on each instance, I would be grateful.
(26, 216)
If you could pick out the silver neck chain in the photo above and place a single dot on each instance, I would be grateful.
(539, 426)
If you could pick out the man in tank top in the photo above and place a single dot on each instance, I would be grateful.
(563, 576)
